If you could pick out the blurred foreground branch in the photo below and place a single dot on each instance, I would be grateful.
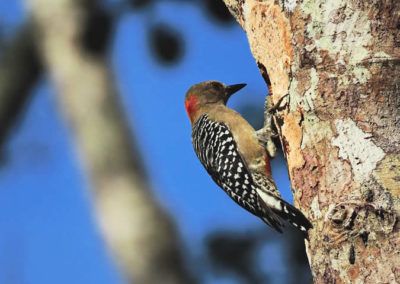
(140, 234)
(20, 68)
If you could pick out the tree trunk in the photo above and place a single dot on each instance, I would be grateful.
(140, 234)
(339, 62)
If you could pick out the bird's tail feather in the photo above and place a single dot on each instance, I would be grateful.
(272, 220)
(294, 216)
(281, 209)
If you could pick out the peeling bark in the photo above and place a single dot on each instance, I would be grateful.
(339, 61)
(140, 234)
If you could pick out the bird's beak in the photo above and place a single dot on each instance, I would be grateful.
(231, 89)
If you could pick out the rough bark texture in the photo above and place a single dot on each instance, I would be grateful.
(139, 233)
(339, 63)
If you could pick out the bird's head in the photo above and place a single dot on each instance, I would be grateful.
(206, 94)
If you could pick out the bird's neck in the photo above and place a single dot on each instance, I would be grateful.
(195, 109)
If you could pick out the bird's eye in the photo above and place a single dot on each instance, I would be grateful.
(216, 85)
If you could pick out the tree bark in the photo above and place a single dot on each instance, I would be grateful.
(339, 63)
(140, 234)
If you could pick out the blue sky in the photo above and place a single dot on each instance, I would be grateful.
(47, 234)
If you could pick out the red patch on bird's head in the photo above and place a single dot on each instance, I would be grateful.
(191, 106)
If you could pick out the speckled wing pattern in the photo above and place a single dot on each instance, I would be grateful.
(217, 150)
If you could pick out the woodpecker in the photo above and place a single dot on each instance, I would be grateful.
(228, 148)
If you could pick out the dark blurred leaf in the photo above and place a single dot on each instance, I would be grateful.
(296, 257)
(166, 44)
(97, 32)
(139, 4)
(235, 254)
(218, 11)
(20, 68)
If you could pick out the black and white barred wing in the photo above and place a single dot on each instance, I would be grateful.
(217, 151)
